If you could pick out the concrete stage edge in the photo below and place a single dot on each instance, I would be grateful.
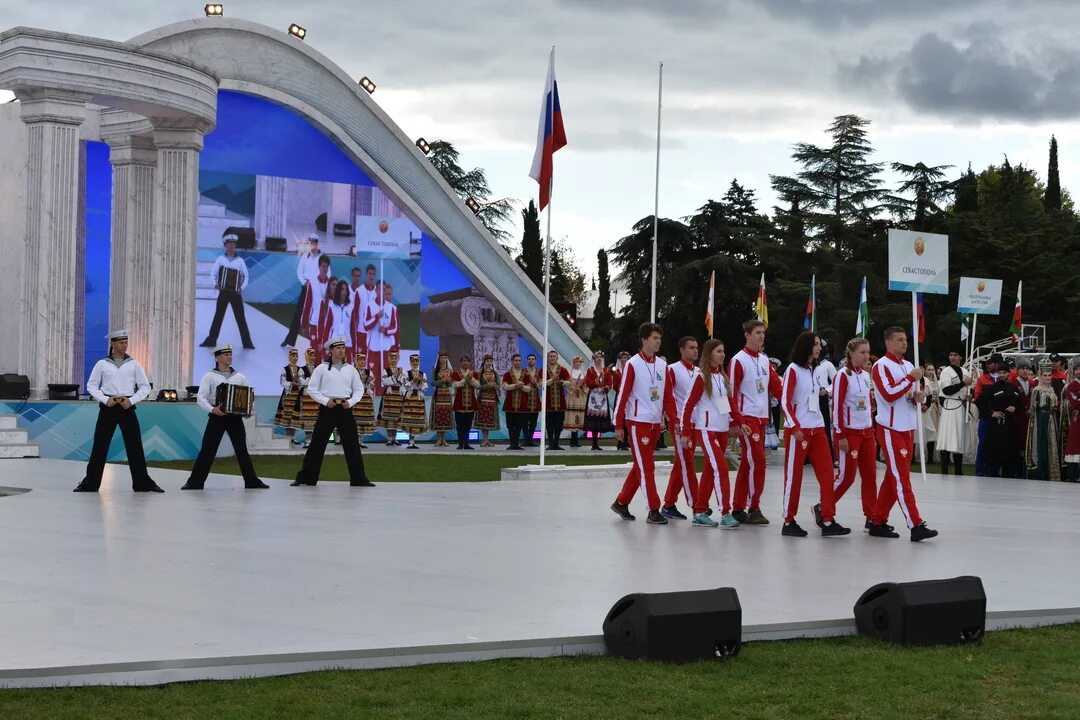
(123, 588)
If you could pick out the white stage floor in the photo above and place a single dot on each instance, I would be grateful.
(123, 587)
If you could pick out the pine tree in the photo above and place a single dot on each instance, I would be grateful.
(472, 183)
(532, 250)
(927, 185)
(1052, 198)
(602, 315)
(967, 192)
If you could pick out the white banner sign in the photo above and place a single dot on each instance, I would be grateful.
(390, 237)
(918, 262)
(980, 296)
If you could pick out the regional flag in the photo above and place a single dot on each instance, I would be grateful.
(712, 299)
(550, 137)
(862, 324)
(810, 320)
(761, 307)
(1017, 318)
(920, 332)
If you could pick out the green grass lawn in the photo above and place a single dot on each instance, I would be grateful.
(1029, 674)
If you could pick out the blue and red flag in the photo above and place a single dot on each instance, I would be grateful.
(810, 319)
(920, 311)
(550, 137)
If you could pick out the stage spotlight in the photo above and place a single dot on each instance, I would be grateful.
(167, 396)
(214, 10)
(297, 32)
(423, 145)
(473, 205)
(365, 82)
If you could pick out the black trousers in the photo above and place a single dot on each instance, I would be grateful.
(530, 427)
(553, 423)
(108, 418)
(225, 299)
(464, 421)
(294, 324)
(216, 427)
(515, 423)
(339, 418)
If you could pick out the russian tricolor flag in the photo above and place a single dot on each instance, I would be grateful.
(550, 136)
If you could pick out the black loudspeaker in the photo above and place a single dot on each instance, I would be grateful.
(245, 237)
(63, 391)
(931, 612)
(275, 244)
(675, 626)
(14, 387)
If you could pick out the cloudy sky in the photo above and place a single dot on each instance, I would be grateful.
(943, 81)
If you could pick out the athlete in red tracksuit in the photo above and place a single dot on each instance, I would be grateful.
(641, 406)
(853, 427)
(898, 404)
(805, 436)
(753, 380)
(676, 388)
(708, 416)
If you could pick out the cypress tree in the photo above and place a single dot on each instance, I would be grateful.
(532, 249)
(1052, 198)
(602, 315)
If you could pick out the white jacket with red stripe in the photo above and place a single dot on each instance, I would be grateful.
(896, 408)
(641, 392)
(677, 388)
(753, 380)
(802, 409)
(851, 401)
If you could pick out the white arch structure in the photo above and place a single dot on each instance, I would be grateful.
(155, 96)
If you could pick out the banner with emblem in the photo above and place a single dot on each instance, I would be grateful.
(918, 262)
(979, 296)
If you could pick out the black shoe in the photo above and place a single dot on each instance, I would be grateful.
(818, 520)
(622, 511)
(148, 485)
(468, 447)
(672, 513)
(515, 447)
(191, 486)
(558, 447)
(869, 525)
(363, 446)
(363, 483)
(460, 447)
(208, 343)
(708, 512)
(597, 447)
(740, 515)
(792, 529)
(921, 532)
(655, 518)
(412, 446)
(249, 346)
(883, 531)
(83, 487)
(285, 343)
(298, 482)
(835, 529)
(257, 485)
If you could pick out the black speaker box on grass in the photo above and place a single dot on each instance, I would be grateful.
(930, 612)
(675, 626)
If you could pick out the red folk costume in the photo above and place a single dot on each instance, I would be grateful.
(465, 399)
(598, 409)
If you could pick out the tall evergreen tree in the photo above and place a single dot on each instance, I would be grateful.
(1052, 198)
(967, 192)
(927, 187)
(494, 213)
(532, 249)
(602, 315)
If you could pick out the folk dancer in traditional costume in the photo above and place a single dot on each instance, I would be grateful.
(393, 381)
(683, 470)
(1043, 453)
(516, 391)
(309, 408)
(294, 377)
(753, 380)
(532, 402)
(931, 409)
(487, 404)
(805, 437)
(558, 378)
(364, 411)
(707, 417)
(314, 301)
(464, 382)
(413, 416)
(853, 428)
(898, 404)
(576, 397)
(363, 296)
(219, 422)
(383, 331)
(1000, 401)
(1070, 423)
(1024, 379)
(337, 318)
(1059, 373)
(307, 270)
(641, 406)
(229, 296)
(617, 370)
(600, 381)
(954, 423)
(442, 400)
(337, 387)
(118, 383)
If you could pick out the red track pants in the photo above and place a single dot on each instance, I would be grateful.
(898, 448)
(641, 437)
(683, 472)
(714, 478)
(750, 479)
(861, 457)
(815, 445)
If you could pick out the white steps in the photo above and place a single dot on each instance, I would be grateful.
(14, 443)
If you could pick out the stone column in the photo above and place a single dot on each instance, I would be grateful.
(176, 207)
(131, 278)
(47, 308)
(269, 207)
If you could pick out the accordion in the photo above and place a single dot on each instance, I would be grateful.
(236, 399)
(229, 279)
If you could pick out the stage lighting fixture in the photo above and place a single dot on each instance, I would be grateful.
(297, 32)
(423, 145)
(214, 10)
(473, 205)
(167, 396)
(365, 82)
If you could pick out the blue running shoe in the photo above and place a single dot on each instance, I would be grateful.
(728, 522)
(703, 520)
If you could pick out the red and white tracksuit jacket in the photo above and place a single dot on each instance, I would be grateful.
(710, 417)
(753, 381)
(641, 407)
(802, 416)
(853, 422)
(683, 470)
(896, 418)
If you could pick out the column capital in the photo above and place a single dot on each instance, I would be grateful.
(180, 133)
(131, 150)
(43, 104)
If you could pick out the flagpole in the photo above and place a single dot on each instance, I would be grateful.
(656, 195)
(918, 410)
(547, 286)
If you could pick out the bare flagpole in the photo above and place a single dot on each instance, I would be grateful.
(656, 197)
